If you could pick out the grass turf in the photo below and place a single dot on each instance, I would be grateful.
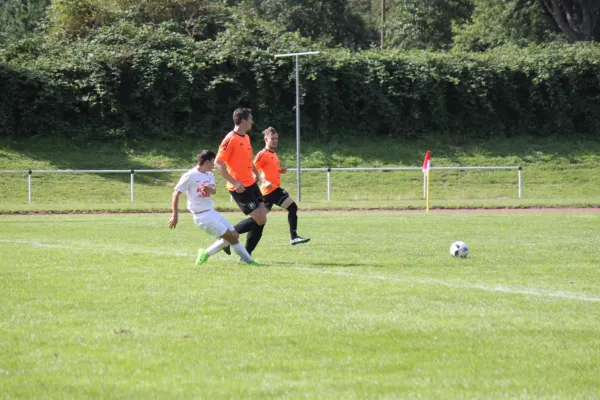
(112, 306)
(558, 172)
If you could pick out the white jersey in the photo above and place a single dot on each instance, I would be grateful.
(190, 184)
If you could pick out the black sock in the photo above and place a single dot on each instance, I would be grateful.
(245, 225)
(293, 220)
(241, 227)
(254, 237)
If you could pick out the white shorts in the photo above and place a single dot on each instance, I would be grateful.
(213, 223)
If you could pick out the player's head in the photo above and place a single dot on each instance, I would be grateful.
(271, 138)
(242, 117)
(206, 158)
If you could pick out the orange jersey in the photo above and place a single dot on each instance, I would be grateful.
(235, 150)
(267, 163)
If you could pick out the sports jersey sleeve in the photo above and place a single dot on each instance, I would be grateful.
(183, 183)
(259, 161)
(225, 149)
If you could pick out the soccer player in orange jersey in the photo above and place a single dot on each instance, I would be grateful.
(268, 165)
(234, 163)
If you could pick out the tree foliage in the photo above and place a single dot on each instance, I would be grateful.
(332, 21)
(149, 69)
(424, 24)
(499, 22)
(153, 83)
(198, 19)
(20, 17)
(354, 24)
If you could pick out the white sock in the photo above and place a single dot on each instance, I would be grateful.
(217, 246)
(241, 251)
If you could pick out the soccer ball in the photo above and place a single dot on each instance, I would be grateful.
(459, 249)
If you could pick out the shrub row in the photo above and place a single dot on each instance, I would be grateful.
(151, 83)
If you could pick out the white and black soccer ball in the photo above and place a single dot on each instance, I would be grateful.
(459, 249)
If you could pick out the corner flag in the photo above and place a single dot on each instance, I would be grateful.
(426, 168)
(427, 162)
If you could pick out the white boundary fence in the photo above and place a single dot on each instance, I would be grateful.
(132, 172)
(520, 177)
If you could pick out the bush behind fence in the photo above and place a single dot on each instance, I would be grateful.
(156, 84)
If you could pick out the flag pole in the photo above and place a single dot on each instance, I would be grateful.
(426, 169)
(427, 197)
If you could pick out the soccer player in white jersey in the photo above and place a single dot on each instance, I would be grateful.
(198, 184)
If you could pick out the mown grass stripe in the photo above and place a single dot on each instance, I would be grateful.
(301, 267)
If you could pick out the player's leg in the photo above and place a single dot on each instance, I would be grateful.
(215, 225)
(259, 215)
(251, 203)
(244, 226)
(232, 237)
(217, 246)
(248, 225)
(290, 205)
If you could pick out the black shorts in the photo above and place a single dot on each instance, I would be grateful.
(249, 200)
(277, 196)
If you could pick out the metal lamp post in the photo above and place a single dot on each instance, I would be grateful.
(296, 55)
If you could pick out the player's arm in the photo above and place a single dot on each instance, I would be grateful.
(283, 170)
(265, 182)
(174, 209)
(210, 188)
(259, 172)
(257, 176)
(221, 167)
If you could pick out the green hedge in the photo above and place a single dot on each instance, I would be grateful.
(153, 83)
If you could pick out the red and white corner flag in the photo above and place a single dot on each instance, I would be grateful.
(426, 169)
(427, 162)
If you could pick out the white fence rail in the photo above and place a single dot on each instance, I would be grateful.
(518, 168)
(132, 173)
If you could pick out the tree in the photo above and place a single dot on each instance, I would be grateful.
(332, 21)
(20, 17)
(499, 22)
(578, 19)
(78, 18)
(424, 24)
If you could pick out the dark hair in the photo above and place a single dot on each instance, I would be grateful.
(206, 155)
(240, 114)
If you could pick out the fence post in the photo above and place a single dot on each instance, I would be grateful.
(131, 184)
(520, 182)
(328, 183)
(29, 195)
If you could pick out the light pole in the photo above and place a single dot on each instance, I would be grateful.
(296, 55)
(382, 22)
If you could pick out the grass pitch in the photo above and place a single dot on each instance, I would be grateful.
(373, 307)
(556, 173)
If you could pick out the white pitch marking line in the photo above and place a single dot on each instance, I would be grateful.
(36, 243)
(430, 282)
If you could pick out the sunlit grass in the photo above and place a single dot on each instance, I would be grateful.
(555, 173)
(374, 306)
